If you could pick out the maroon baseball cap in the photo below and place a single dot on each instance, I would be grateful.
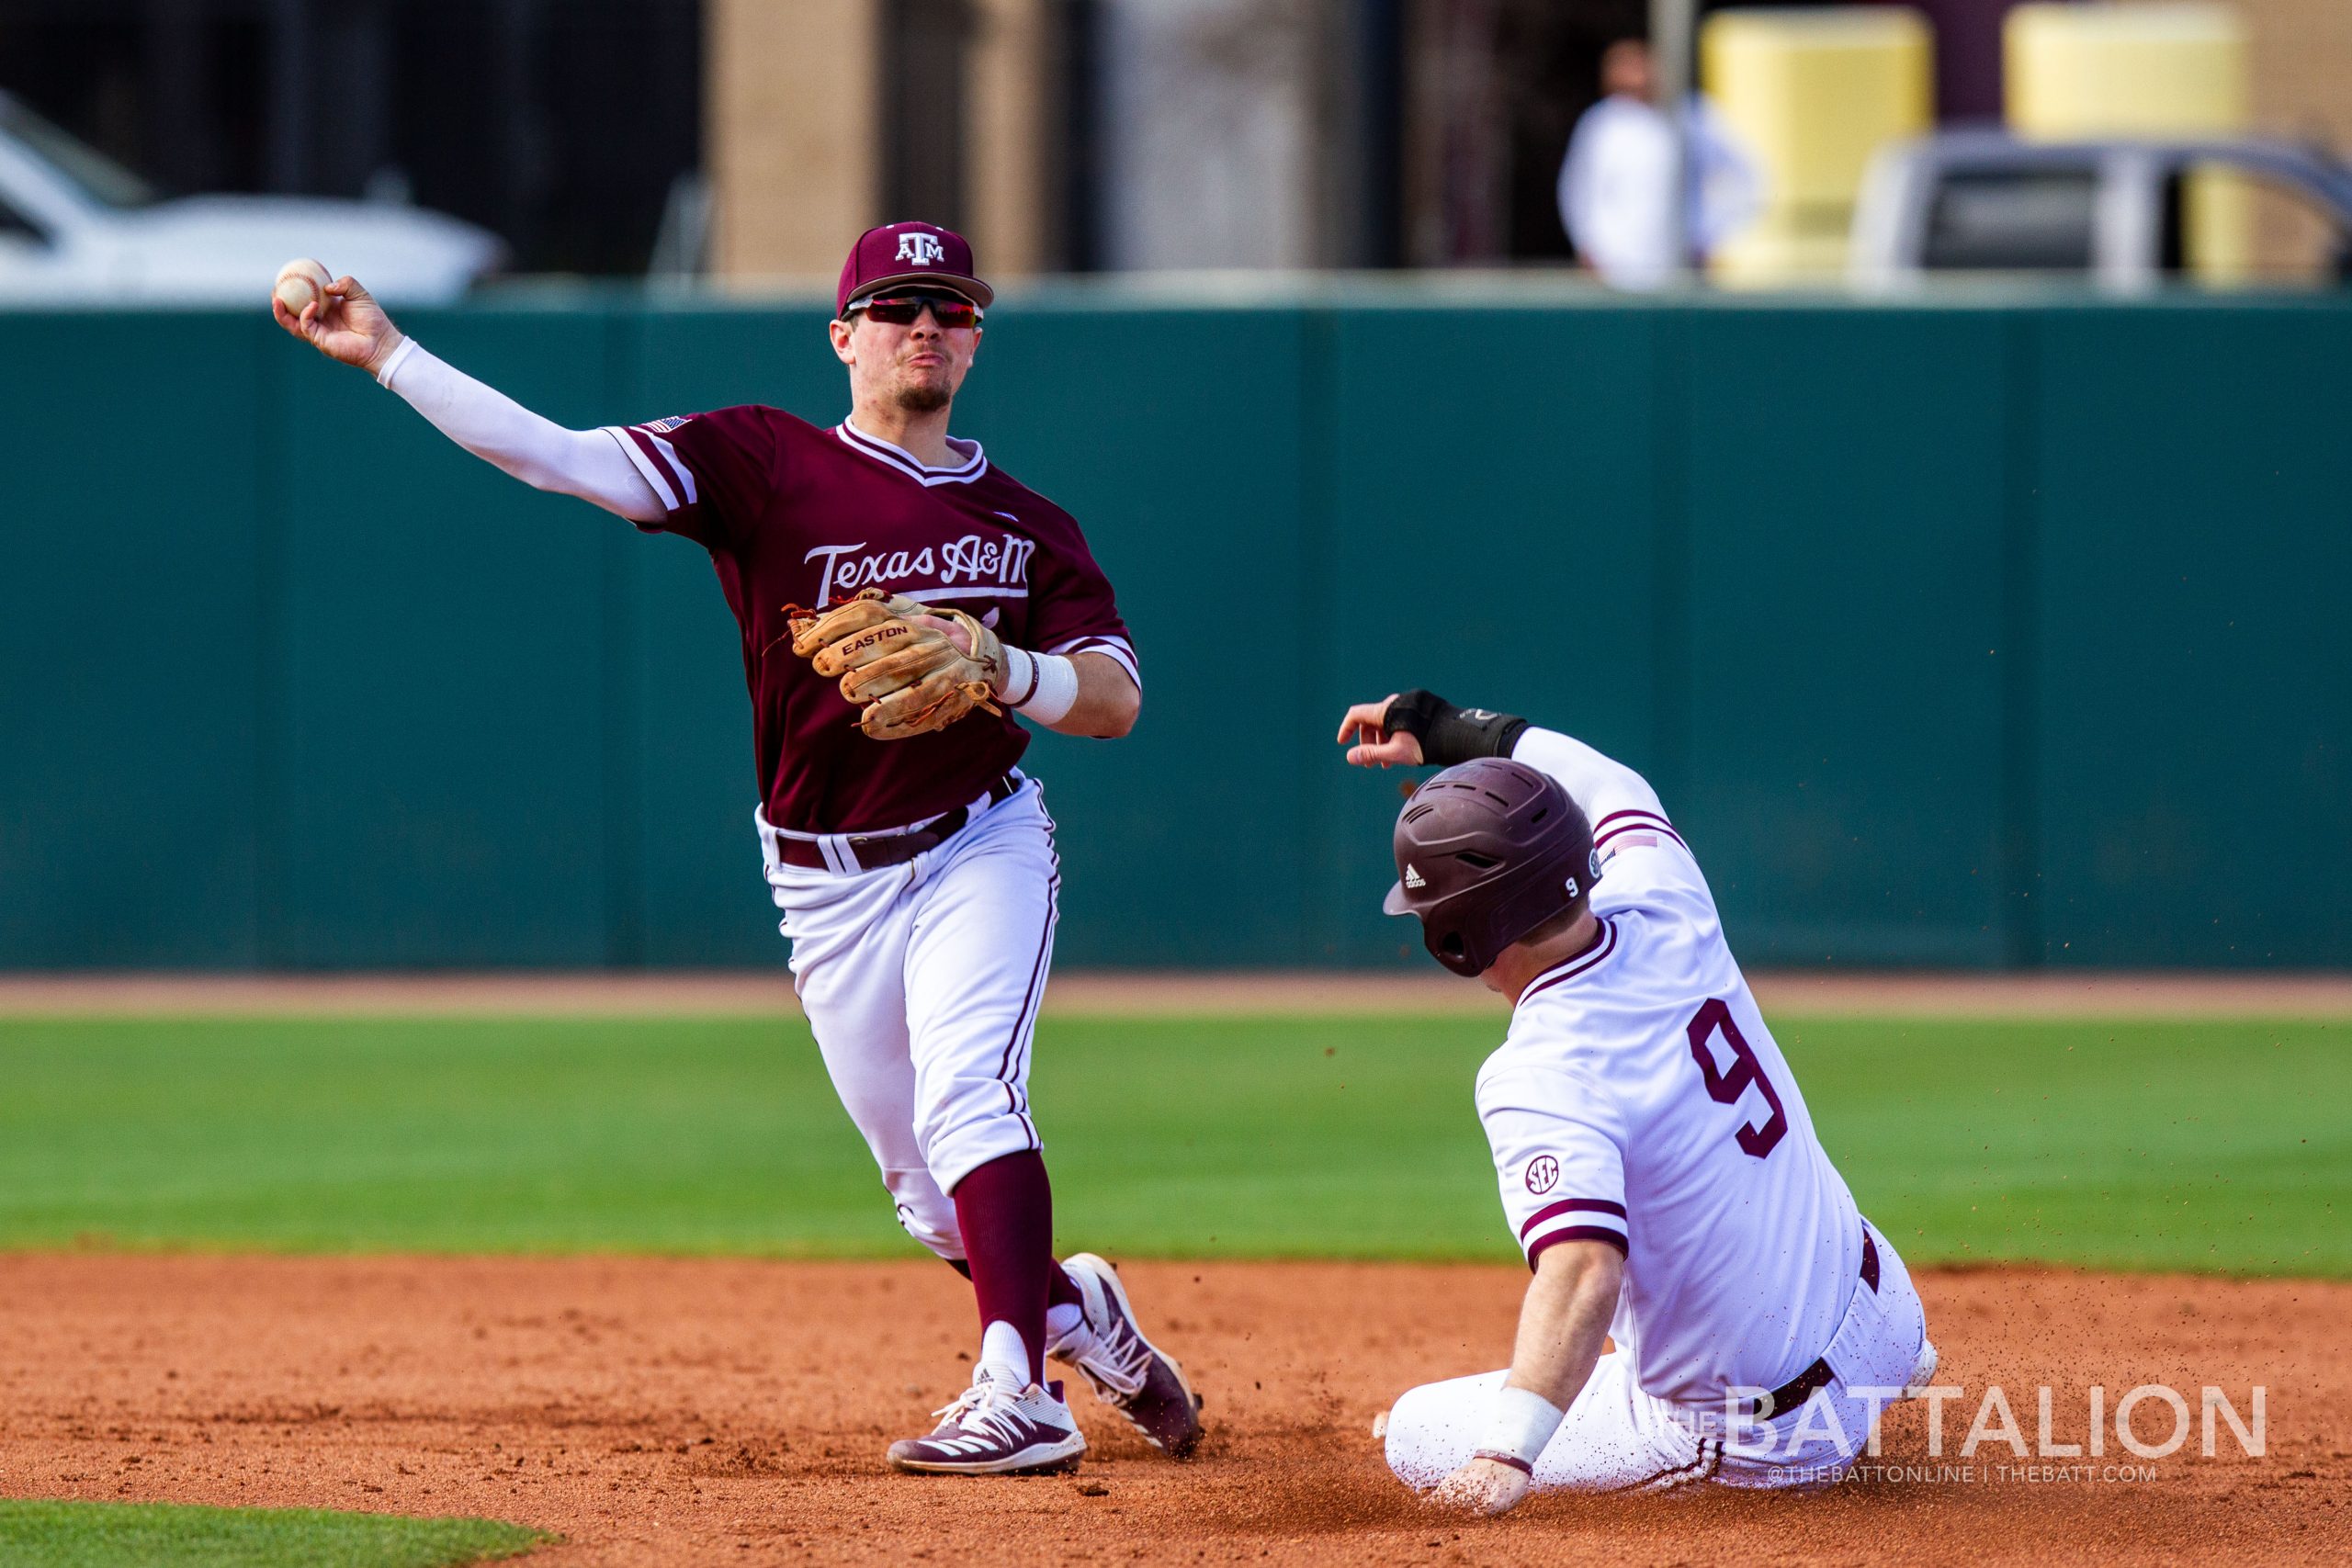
(910, 253)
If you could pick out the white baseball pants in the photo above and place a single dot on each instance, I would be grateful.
(1618, 1438)
(922, 983)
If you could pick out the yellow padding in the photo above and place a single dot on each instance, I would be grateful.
(1813, 92)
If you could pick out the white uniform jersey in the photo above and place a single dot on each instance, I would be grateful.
(1640, 1100)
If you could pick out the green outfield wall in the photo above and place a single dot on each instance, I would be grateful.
(1991, 635)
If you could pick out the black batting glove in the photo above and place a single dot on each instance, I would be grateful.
(1448, 734)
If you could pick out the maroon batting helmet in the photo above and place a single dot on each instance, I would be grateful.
(1486, 852)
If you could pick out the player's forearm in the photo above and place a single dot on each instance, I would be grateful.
(1600, 786)
(1563, 1323)
(493, 427)
(1107, 702)
(1565, 1319)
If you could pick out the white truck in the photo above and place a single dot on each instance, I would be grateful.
(78, 230)
(2115, 213)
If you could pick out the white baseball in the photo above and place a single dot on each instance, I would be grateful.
(300, 282)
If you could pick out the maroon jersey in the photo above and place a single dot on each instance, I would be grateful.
(792, 515)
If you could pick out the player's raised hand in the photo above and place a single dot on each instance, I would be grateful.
(1376, 745)
(344, 322)
(1484, 1487)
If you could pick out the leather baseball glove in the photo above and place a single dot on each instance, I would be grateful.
(907, 677)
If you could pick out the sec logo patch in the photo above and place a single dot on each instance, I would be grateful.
(1543, 1173)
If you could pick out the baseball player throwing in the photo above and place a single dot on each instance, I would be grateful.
(1657, 1164)
(899, 598)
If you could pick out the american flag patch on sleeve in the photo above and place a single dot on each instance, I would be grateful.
(663, 427)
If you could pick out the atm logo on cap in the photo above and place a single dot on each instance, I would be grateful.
(923, 250)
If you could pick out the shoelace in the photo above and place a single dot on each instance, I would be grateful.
(985, 1408)
(1121, 1364)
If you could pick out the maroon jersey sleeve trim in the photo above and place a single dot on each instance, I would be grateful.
(1576, 1232)
(1571, 1206)
(1633, 821)
(1117, 649)
(659, 461)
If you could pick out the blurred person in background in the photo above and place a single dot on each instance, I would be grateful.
(1617, 184)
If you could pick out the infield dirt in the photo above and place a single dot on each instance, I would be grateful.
(675, 1411)
(1151, 994)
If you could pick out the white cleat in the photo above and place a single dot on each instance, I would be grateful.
(995, 1428)
(1128, 1373)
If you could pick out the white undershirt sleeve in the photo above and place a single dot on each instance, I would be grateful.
(1640, 852)
(589, 464)
(1602, 787)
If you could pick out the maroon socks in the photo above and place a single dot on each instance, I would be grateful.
(1061, 1291)
(1005, 1210)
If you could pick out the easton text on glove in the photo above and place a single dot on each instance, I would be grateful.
(905, 677)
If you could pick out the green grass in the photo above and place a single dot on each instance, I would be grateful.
(127, 1535)
(2200, 1144)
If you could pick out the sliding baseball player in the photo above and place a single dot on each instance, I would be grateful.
(900, 599)
(1657, 1164)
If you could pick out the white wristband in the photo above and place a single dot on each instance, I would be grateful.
(1518, 1428)
(1043, 685)
(392, 365)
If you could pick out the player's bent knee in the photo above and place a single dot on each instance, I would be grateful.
(925, 1212)
(943, 1241)
(957, 1150)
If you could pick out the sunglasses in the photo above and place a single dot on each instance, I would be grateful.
(905, 309)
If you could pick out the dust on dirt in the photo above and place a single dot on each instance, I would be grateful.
(672, 1412)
